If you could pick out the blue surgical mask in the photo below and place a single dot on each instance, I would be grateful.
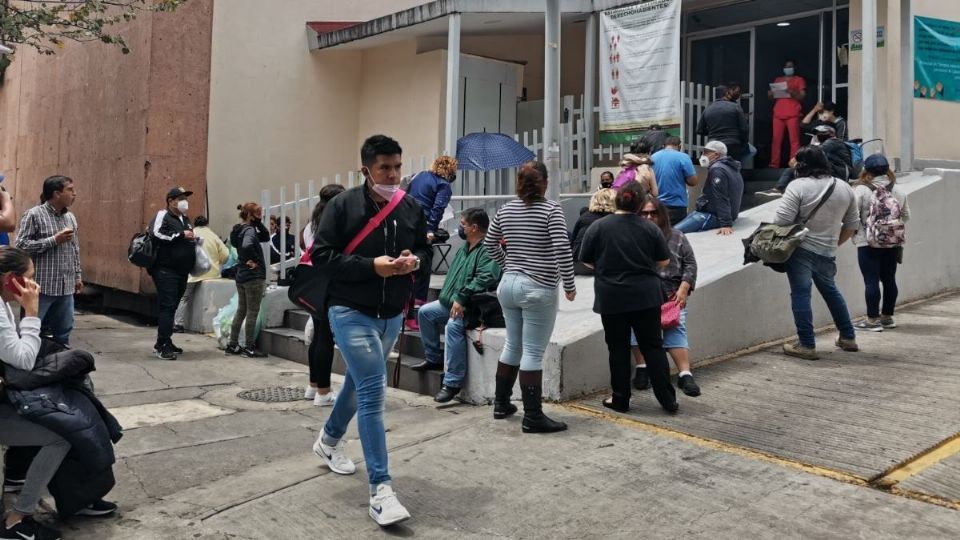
(461, 233)
(788, 71)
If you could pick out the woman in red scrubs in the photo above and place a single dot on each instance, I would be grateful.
(787, 112)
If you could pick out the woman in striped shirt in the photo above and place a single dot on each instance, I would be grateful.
(528, 239)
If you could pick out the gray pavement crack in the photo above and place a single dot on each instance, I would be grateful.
(152, 376)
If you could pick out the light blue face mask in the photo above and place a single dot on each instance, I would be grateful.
(788, 71)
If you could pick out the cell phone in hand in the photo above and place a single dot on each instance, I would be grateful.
(406, 259)
(9, 283)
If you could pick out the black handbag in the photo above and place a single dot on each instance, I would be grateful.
(142, 251)
(309, 289)
(483, 310)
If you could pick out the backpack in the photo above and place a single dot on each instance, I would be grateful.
(884, 228)
(856, 158)
(142, 251)
(625, 176)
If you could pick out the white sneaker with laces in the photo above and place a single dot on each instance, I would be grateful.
(310, 392)
(325, 400)
(334, 457)
(385, 509)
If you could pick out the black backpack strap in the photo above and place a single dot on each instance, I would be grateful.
(820, 204)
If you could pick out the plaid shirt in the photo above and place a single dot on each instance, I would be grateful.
(57, 265)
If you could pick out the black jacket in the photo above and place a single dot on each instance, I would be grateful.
(174, 251)
(50, 369)
(724, 121)
(584, 222)
(353, 281)
(247, 238)
(840, 157)
(70, 410)
(722, 191)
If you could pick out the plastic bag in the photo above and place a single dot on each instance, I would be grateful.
(223, 322)
(308, 332)
(228, 270)
(203, 264)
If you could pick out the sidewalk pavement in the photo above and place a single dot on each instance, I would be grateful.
(774, 448)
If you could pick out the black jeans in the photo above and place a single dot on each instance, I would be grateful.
(170, 286)
(879, 265)
(645, 324)
(677, 213)
(320, 353)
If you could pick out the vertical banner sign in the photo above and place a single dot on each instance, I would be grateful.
(936, 69)
(639, 69)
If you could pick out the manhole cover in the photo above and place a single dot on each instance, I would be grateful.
(272, 394)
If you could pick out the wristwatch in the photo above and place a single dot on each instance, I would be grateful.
(416, 266)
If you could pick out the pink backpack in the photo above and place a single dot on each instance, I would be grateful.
(884, 227)
(625, 177)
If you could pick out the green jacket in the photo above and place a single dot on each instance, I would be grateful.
(472, 271)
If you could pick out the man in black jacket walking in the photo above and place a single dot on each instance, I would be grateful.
(173, 235)
(369, 287)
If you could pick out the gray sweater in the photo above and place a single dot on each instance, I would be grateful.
(840, 212)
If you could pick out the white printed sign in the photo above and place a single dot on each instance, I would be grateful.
(640, 66)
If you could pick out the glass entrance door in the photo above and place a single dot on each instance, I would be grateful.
(721, 59)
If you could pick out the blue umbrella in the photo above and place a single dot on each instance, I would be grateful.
(490, 151)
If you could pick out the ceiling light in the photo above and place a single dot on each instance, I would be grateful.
(783, 24)
(495, 21)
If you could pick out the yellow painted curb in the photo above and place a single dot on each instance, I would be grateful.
(919, 463)
(725, 447)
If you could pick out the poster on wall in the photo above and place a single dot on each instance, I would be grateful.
(639, 69)
(936, 67)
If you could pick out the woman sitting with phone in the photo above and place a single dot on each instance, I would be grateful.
(20, 351)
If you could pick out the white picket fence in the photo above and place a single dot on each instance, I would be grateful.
(489, 189)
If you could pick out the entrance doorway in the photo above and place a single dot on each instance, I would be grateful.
(753, 53)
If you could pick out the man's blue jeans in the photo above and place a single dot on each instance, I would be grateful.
(804, 269)
(364, 343)
(698, 221)
(432, 317)
(56, 316)
(530, 311)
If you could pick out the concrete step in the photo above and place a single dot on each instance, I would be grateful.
(296, 319)
(288, 343)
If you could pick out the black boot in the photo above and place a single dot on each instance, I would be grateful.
(534, 421)
(506, 377)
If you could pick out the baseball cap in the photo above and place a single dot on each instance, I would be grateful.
(178, 192)
(876, 164)
(716, 146)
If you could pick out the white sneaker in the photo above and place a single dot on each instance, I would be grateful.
(334, 457)
(385, 509)
(325, 400)
(310, 392)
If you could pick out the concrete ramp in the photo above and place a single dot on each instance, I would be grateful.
(736, 307)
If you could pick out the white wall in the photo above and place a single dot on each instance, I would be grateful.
(280, 114)
(934, 121)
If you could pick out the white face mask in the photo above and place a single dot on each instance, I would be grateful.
(824, 117)
(183, 206)
(788, 71)
(704, 161)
